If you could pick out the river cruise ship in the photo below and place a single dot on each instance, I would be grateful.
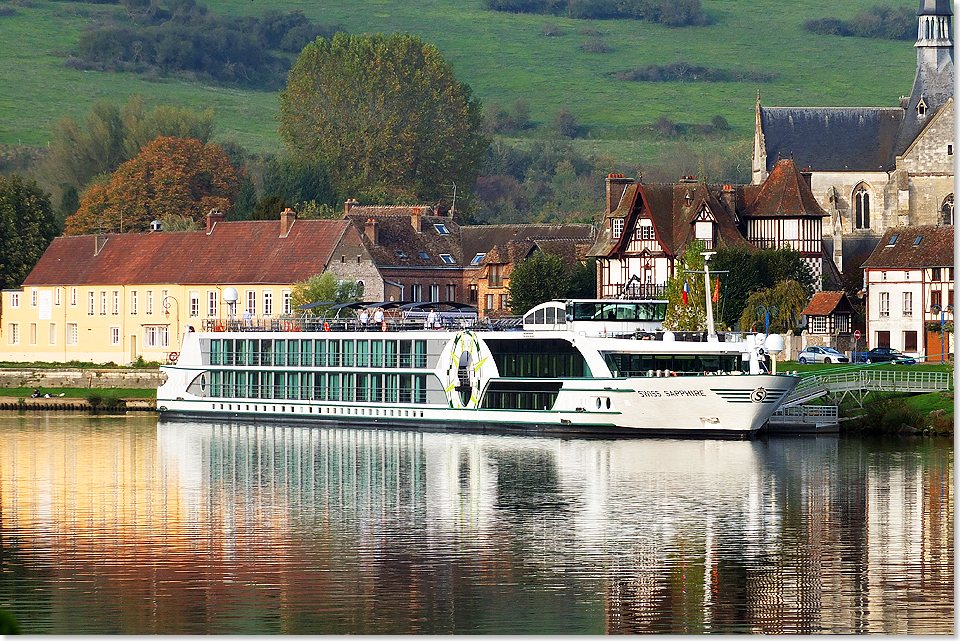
(601, 367)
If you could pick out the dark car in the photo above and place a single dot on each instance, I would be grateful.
(888, 355)
(815, 354)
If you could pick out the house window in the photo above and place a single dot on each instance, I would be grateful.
(704, 232)
(212, 304)
(416, 292)
(72, 334)
(447, 258)
(156, 336)
(165, 301)
(644, 232)
(451, 292)
(424, 255)
(150, 302)
(441, 228)
(267, 303)
(103, 303)
(908, 303)
(57, 298)
(15, 299)
(617, 227)
(818, 324)
(90, 303)
(884, 303)
(935, 299)
(33, 297)
(474, 293)
(52, 333)
(495, 276)
(861, 199)
(910, 341)
(133, 303)
(115, 310)
(935, 274)
(73, 297)
(489, 302)
(33, 333)
(435, 293)
(883, 339)
(504, 302)
(476, 259)
(252, 302)
(194, 304)
(13, 334)
(288, 301)
(114, 335)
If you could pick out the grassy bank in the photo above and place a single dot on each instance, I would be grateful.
(78, 392)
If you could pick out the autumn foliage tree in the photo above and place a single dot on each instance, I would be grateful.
(385, 115)
(170, 176)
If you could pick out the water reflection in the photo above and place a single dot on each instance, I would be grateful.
(124, 526)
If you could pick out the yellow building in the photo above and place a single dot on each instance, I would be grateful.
(117, 297)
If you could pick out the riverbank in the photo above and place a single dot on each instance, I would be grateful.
(66, 403)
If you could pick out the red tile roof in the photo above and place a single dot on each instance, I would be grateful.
(235, 252)
(785, 194)
(826, 303)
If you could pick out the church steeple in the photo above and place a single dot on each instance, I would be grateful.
(933, 85)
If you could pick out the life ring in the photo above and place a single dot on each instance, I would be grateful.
(219, 327)
(326, 326)
(383, 326)
(173, 356)
(286, 326)
(462, 379)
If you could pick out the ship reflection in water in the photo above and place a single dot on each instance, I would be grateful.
(239, 528)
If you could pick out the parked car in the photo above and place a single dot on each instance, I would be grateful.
(887, 355)
(814, 354)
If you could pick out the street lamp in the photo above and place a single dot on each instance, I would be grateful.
(767, 312)
(936, 309)
(166, 312)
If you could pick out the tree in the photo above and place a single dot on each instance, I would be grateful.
(583, 280)
(269, 208)
(788, 296)
(384, 114)
(111, 136)
(692, 314)
(170, 176)
(27, 225)
(749, 271)
(297, 182)
(537, 279)
(324, 288)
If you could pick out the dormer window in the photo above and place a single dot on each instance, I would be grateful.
(921, 108)
(893, 240)
(476, 259)
(447, 258)
(441, 228)
(617, 227)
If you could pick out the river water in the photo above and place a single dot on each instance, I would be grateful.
(121, 525)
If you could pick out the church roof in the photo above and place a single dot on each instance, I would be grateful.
(785, 194)
(831, 138)
(913, 247)
(247, 252)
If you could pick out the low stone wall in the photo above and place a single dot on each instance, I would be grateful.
(48, 379)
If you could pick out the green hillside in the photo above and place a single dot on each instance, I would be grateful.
(503, 57)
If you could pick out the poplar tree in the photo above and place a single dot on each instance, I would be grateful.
(27, 225)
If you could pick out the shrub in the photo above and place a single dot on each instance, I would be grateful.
(595, 45)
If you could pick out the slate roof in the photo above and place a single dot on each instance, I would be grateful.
(826, 303)
(570, 251)
(249, 252)
(478, 239)
(396, 233)
(785, 194)
(831, 138)
(935, 248)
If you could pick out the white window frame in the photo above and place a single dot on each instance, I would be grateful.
(149, 302)
(133, 302)
(115, 309)
(103, 302)
(156, 336)
(33, 297)
(14, 300)
(818, 324)
(73, 334)
(908, 303)
(33, 333)
(52, 333)
(212, 304)
(435, 293)
(267, 303)
(287, 301)
(884, 303)
(91, 303)
(13, 334)
(617, 227)
(114, 334)
(252, 302)
(194, 304)
(73, 297)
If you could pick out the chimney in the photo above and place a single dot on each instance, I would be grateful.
(287, 218)
(807, 174)
(616, 185)
(729, 198)
(214, 216)
(347, 206)
(415, 219)
(98, 242)
(370, 231)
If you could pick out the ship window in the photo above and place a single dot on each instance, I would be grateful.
(521, 395)
(551, 358)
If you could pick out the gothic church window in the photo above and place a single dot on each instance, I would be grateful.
(861, 200)
(946, 211)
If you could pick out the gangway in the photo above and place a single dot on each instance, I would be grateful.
(858, 383)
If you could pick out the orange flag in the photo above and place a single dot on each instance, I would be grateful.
(716, 291)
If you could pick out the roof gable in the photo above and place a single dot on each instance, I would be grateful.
(826, 303)
(785, 194)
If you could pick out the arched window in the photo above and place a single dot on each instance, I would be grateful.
(861, 203)
(946, 211)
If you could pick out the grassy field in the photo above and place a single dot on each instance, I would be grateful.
(503, 57)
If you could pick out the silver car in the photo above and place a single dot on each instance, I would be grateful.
(815, 354)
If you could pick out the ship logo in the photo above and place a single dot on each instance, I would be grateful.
(758, 395)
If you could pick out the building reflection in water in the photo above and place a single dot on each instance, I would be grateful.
(245, 528)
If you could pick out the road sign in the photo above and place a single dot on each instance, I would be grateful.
(856, 335)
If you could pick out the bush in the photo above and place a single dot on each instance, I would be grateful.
(595, 45)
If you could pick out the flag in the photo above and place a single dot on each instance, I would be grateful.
(686, 291)
(716, 291)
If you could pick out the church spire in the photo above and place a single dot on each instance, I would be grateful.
(934, 34)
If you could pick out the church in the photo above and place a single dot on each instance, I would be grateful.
(873, 168)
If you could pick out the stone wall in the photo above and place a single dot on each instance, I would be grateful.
(48, 379)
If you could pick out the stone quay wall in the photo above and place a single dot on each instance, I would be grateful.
(48, 379)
